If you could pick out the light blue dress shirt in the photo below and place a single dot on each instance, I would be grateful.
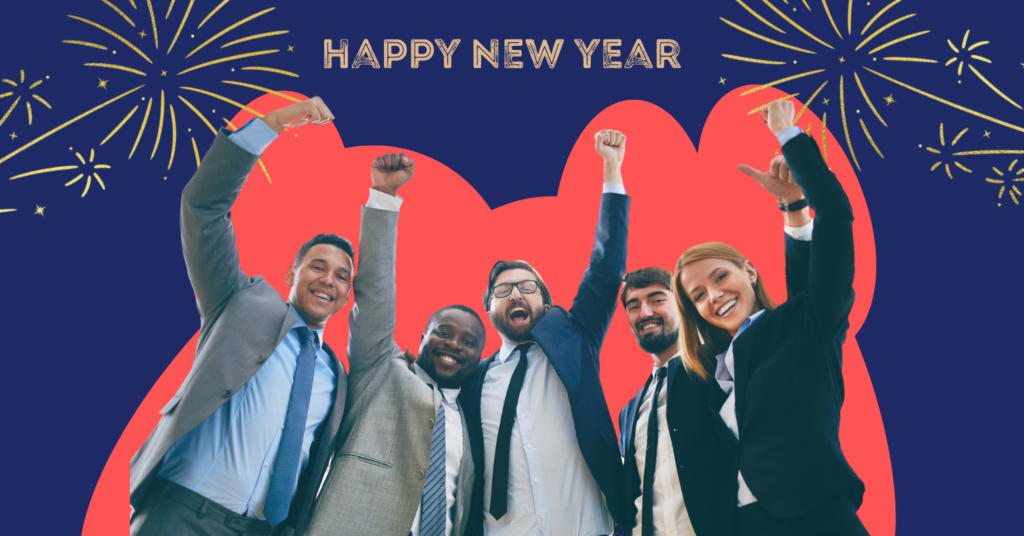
(229, 457)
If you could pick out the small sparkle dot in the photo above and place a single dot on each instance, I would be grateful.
(232, 70)
(858, 111)
(215, 111)
(794, 61)
(165, 178)
(296, 135)
(71, 148)
(874, 59)
(918, 145)
(190, 130)
(115, 52)
(47, 77)
(143, 98)
(193, 36)
(957, 81)
(794, 9)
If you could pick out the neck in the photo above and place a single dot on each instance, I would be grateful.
(514, 343)
(664, 356)
(311, 323)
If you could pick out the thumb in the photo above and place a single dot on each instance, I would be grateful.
(599, 139)
(407, 162)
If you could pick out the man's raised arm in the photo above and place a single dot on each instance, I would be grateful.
(207, 236)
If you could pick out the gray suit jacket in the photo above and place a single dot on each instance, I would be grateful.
(243, 321)
(376, 479)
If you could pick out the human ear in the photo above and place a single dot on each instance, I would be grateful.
(289, 275)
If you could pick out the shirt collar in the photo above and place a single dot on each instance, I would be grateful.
(507, 348)
(449, 395)
(302, 324)
(667, 361)
(743, 327)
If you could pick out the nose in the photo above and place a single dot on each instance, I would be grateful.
(516, 295)
(645, 310)
(453, 344)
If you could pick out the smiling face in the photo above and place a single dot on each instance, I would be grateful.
(652, 317)
(320, 284)
(721, 291)
(516, 314)
(450, 349)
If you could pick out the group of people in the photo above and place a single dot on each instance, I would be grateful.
(735, 432)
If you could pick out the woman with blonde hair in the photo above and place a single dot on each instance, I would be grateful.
(780, 367)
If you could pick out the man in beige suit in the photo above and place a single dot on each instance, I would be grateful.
(403, 465)
(242, 445)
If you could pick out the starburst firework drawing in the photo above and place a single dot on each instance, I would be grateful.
(1007, 180)
(18, 97)
(844, 62)
(960, 67)
(172, 77)
(88, 173)
(942, 143)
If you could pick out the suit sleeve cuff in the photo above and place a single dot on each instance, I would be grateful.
(789, 134)
(614, 188)
(383, 201)
(254, 136)
(801, 233)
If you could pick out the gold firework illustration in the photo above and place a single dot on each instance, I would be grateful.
(1007, 179)
(17, 97)
(89, 173)
(876, 35)
(960, 67)
(158, 71)
(942, 143)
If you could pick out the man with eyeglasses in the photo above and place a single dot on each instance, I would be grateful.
(539, 424)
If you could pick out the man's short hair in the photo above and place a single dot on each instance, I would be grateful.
(645, 277)
(463, 308)
(501, 266)
(326, 238)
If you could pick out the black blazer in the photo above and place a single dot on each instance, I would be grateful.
(572, 341)
(788, 364)
(704, 447)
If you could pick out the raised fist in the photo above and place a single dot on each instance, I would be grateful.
(778, 115)
(611, 145)
(390, 172)
(308, 111)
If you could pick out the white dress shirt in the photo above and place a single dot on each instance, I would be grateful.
(670, 515)
(551, 490)
(452, 457)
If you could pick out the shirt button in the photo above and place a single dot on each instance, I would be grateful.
(542, 514)
(282, 427)
(266, 465)
(419, 474)
(262, 359)
(227, 393)
(529, 445)
(430, 422)
(523, 415)
(662, 460)
(536, 480)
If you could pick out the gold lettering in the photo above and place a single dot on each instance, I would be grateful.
(330, 53)
(587, 50)
(610, 53)
(545, 53)
(491, 55)
(447, 52)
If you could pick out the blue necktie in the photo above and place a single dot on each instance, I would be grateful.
(286, 466)
(433, 507)
(499, 474)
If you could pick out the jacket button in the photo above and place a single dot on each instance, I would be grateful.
(227, 393)
(420, 474)
(261, 360)
(430, 422)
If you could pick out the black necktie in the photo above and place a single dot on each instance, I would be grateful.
(651, 459)
(499, 477)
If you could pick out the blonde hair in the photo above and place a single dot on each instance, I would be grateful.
(699, 340)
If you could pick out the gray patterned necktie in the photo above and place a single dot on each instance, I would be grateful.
(433, 507)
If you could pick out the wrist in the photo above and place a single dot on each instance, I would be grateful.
(272, 122)
(798, 218)
(612, 171)
(789, 200)
(386, 190)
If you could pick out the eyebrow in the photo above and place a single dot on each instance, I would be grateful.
(346, 270)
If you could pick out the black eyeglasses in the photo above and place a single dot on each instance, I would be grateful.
(503, 290)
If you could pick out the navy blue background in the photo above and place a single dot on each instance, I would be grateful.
(98, 301)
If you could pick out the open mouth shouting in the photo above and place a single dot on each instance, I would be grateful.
(727, 308)
(518, 314)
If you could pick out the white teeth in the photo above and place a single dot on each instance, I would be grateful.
(448, 359)
(322, 295)
(727, 307)
(649, 326)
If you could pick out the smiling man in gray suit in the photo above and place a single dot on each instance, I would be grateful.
(242, 445)
(404, 465)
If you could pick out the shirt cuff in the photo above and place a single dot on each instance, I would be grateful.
(254, 136)
(382, 201)
(801, 233)
(789, 134)
(614, 188)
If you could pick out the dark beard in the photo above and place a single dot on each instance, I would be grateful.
(521, 333)
(656, 344)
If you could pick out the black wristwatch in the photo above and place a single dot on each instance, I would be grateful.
(794, 206)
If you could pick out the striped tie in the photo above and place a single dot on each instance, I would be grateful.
(433, 508)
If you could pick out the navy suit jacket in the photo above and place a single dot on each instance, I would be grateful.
(788, 364)
(704, 447)
(572, 341)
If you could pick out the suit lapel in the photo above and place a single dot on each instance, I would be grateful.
(742, 351)
(467, 473)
